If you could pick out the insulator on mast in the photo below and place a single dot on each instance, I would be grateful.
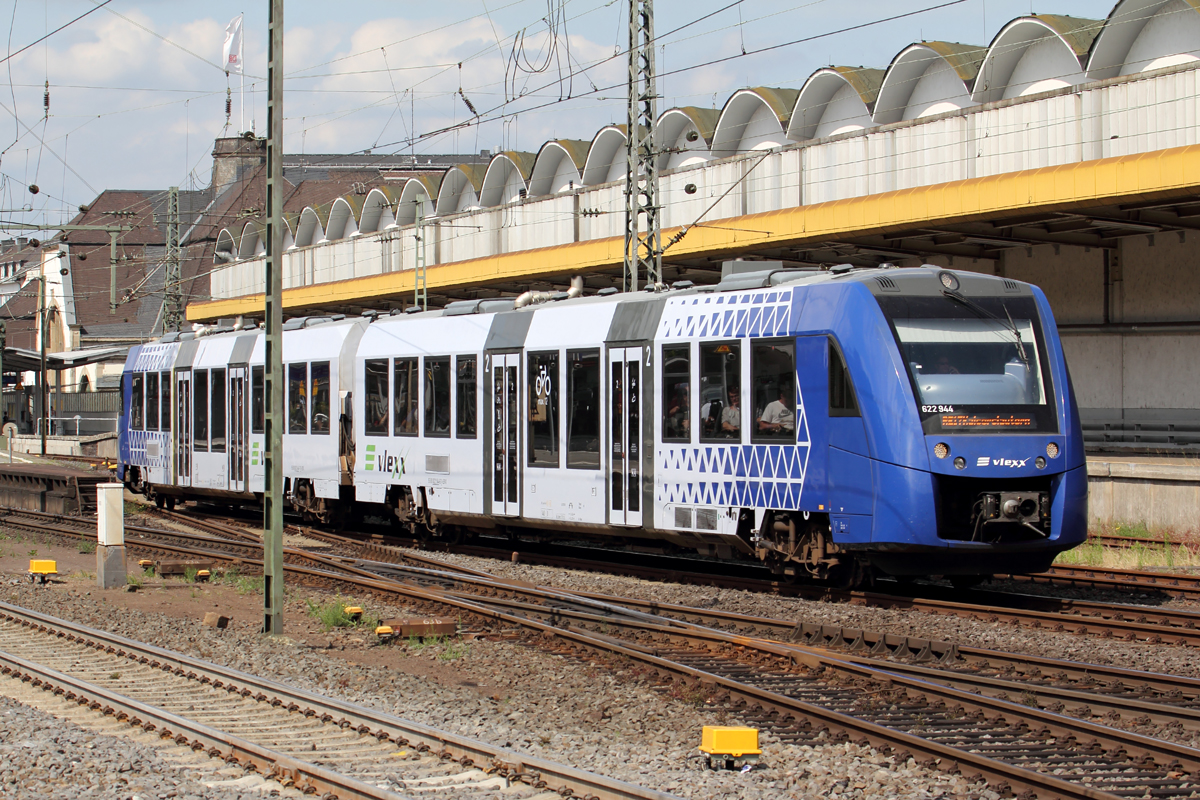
(228, 104)
(46, 99)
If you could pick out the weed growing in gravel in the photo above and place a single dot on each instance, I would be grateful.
(134, 580)
(454, 649)
(189, 574)
(133, 509)
(87, 546)
(33, 553)
(1094, 554)
(333, 615)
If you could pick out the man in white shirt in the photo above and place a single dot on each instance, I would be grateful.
(778, 416)
(731, 416)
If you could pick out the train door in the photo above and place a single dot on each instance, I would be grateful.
(505, 459)
(183, 428)
(625, 433)
(237, 429)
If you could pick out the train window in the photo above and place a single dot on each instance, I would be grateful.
(773, 370)
(437, 396)
(404, 420)
(676, 394)
(376, 392)
(137, 419)
(218, 411)
(465, 387)
(151, 401)
(200, 411)
(720, 391)
(258, 408)
(298, 398)
(583, 409)
(165, 402)
(543, 409)
(320, 396)
(841, 391)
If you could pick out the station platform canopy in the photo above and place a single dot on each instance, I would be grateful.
(19, 359)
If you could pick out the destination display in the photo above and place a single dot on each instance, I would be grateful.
(986, 421)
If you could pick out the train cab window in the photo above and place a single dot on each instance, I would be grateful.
(298, 398)
(405, 409)
(543, 409)
(842, 402)
(319, 380)
(720, 391)
(466, 419)
(165, 402)
(137, 419)
(773, 371)
(200, 411)
(583, 409)
(437, 396)
(676, 394)
(377, 396)
(151, 401)
(218, 411)
(258, 408)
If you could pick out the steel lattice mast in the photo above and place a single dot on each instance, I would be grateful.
(173, 291)
(643, 250)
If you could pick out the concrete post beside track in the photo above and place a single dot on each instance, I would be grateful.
(110, 535)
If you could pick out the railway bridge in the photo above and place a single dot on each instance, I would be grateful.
(1065, 153)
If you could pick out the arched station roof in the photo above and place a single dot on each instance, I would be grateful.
(1035, 54)
(835, 100)
(1029, 55)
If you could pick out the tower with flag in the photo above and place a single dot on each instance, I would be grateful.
(233, 55)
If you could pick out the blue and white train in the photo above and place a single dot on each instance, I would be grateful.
(832, 424)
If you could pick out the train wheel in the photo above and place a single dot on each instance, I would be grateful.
(849, 575)
(966, 581)
(160, 501)
(170, 503)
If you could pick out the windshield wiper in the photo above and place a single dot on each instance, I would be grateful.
(983, 312)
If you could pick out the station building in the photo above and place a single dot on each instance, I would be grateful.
(1065, 152)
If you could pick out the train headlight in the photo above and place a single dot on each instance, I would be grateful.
(1052, 450)
(1041, 462)
(960, 463)
(941, 449)
(948, 280)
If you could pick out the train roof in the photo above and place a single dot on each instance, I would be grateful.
(909, 280)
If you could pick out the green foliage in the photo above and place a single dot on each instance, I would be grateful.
(87, 546)
(33, 553)
(189, 574)
(333, 615)
(455, 649)
(134, 580)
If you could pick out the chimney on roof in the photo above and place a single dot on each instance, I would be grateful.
(21, 242)
(233, 157)
(6, 245)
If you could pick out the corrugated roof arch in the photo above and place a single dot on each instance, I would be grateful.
(1035, 54)
(754, 119)
(834, 100)
(1141, 35)
(928, 78)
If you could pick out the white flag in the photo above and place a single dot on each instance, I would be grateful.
(232, 53)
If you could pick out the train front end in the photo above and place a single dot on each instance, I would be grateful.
(989, 419)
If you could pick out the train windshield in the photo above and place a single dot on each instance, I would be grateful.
(976, 364)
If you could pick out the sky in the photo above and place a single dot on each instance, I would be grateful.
(137, 93)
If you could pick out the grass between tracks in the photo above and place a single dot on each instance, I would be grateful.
(1182, 551)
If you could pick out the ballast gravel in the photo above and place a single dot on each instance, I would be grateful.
(46, 758)
(612, 721)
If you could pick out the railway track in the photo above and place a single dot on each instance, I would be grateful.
(1108, 620)
(808, 696)
(313, 742)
